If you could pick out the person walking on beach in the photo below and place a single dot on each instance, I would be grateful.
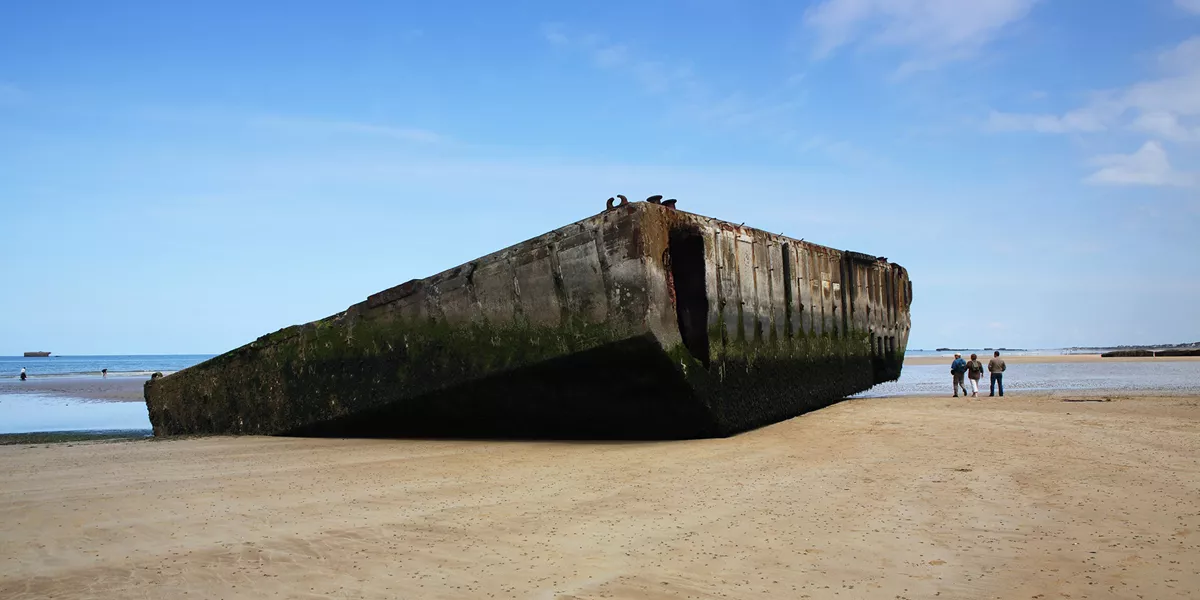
(974, 372)
(957, 368)
(104, 374)
(22, 373)
(996, 367)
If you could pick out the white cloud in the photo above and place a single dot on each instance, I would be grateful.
(933, 32)
(1148, 166)
(1179, 95)
(1165, 125)
(1167, 106)
(1183, 57)
(1192, 6)
(317, 126)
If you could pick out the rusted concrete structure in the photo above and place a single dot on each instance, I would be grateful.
(640, 322)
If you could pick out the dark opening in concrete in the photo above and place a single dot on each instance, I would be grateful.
(691, 296)
(787, 290)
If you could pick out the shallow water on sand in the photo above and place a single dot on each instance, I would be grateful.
(45, 408)
(21, 413)
(1166, 376)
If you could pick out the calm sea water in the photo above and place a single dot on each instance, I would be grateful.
(129, 365)
(982, 351)
(1168, 376)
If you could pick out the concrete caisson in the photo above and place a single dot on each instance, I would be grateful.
(640, 322)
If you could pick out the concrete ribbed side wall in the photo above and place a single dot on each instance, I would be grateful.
(763, 287)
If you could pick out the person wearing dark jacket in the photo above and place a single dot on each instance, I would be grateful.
(957, 368)
(974, 372)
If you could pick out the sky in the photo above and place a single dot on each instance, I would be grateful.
(184, 177)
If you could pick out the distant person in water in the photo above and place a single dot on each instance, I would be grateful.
(957, 369)
(974, 372)
(104, 374)
(996, 367)
(22, 373)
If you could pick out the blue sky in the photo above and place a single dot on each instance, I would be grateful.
(183, 177)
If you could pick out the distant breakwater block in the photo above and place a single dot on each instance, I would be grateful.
(1136, 353)
(641, 322)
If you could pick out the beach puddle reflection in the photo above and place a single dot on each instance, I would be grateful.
(29, 413)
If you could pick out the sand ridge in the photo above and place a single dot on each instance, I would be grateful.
(1025, 497)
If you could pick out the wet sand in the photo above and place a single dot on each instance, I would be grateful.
(1025, 497)
(1047, 358)
(112, 389)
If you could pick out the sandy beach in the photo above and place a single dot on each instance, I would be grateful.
(1032, 496)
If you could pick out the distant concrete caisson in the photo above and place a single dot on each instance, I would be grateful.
(641, 322)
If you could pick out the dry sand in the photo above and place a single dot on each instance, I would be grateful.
(1025, 497)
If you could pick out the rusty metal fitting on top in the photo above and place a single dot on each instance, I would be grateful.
(655, 199)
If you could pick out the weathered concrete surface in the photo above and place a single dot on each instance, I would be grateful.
(640, 322)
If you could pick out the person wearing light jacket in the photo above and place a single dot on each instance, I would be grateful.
(996, 367)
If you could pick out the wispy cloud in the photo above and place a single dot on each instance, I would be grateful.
(318, 126)
(1167, 105)
(769, 115)
(11, 94)
(1086, 120)
(1192, 6)
(1148, 166)
(1165, 125)
(930, 33)
(654, 77)
(1164, 107)
(293, 125)
(1183, 57)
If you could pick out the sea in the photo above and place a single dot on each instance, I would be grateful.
(137, 365)
(1171, 377)
(38, 412)
(30, 412)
